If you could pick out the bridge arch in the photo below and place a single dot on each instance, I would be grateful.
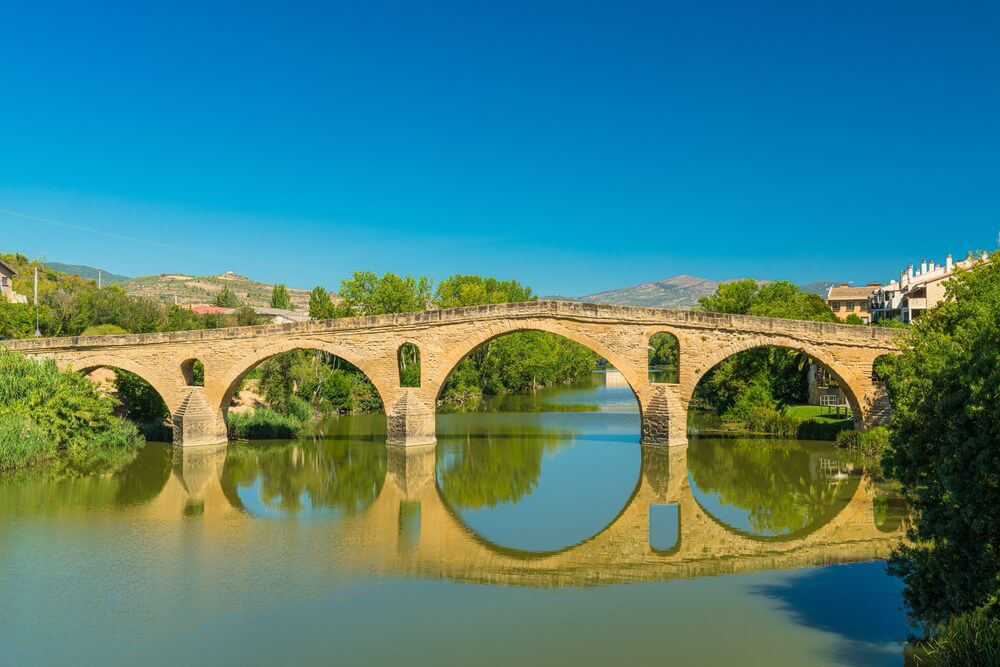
(848, 381)
(224, 388)
(90, 363)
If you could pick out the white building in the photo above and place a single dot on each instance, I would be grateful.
(916, 290)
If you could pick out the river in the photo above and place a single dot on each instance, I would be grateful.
(537, 532)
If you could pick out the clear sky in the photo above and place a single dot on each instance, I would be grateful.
(575, 146)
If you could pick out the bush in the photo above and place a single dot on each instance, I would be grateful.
(870, 443)
(23, 443)
(768, 420)
(103, 330)
(71, 412)
(262, 424)
(969, 640)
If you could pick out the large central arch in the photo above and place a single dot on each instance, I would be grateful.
(467, 346)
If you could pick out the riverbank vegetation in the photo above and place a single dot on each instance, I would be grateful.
(46, 413)
(945, 388)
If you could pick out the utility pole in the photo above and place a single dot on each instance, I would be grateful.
(38, 332)
(98, 279)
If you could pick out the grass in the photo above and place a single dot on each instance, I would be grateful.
(263, 424)
(818, 413)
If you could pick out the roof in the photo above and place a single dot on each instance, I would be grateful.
(10, 269)
(205, 309)
(843, 292)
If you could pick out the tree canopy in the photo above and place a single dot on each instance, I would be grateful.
(368, 294)
(944, 449)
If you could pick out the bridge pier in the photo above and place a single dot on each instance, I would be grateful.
(657, 427)
(410, 423)
(196, 423)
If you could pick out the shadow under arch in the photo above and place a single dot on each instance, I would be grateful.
(230, 381)
(846, 379)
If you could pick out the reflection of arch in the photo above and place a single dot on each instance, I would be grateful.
(90, 363)
(521, 554)
(846, 379)
(657, 342)
(839, 505)
(237, 371)
(502, 328)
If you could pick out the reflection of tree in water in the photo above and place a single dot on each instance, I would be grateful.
(783, 487)
(59, 484)
(502, 467)
(346, 476)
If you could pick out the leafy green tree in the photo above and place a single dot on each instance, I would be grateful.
(460, 291)
(368, 294)
(735, 298)
(320, 305)
(280, 298)
(944, 450)
(853, 319)
(226, 298)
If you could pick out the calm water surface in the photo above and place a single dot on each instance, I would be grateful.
(540, 532)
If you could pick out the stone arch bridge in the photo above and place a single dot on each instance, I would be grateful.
(619, 334)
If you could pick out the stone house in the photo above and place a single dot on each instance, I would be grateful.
(7, 292)
(845, 300)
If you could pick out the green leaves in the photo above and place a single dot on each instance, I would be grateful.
(945, 449)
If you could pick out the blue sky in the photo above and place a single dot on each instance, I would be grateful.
(575, 146)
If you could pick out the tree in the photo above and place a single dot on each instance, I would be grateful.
(246, 317)
(280, 298)
(735, 297)
(320, 306)
(461, 291)
(367, 294)
(226, 298)
(853, 319)
(945, 388)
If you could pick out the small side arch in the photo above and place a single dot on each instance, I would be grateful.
(90, 363)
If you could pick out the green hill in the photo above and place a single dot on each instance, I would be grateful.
(88, 272)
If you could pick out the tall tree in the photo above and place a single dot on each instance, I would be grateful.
(280, 298)
(320, 305)
(944, 450)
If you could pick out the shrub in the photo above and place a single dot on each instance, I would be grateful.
(22, 442)
(870, 443)
(103, 330)
(768, 420)
(262, 424)
(70, 410)
(969, 640)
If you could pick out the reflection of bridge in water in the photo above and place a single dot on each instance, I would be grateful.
(410, 530)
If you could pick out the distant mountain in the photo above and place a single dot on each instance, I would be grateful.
(676, 292)
(88, 272)
(821, 287)
(202, 289)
